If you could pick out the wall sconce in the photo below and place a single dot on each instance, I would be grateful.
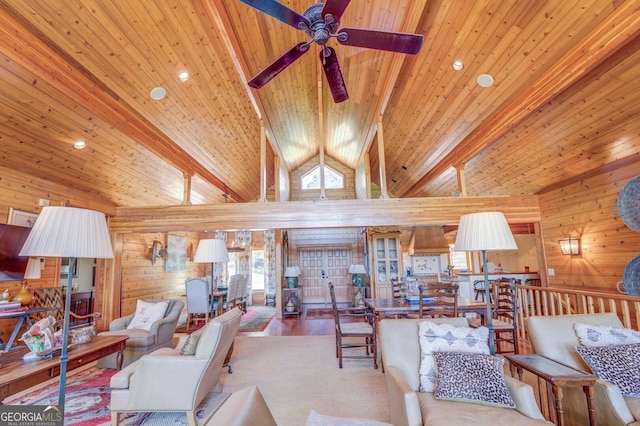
(570, 246)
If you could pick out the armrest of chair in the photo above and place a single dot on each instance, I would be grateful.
(120, 323)
(611, 407)
(403, 401)
(524, 398)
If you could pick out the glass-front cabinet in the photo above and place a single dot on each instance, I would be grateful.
(387, 263)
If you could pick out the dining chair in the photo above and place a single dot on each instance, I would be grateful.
(438, 300)
(353, 323)
(504, 314)
(197, 300)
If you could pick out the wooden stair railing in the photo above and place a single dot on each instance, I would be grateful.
(537, 301)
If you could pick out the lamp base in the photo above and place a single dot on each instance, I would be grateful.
(292, 282)
(359, 280)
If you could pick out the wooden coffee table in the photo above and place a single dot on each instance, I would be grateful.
(17, 375)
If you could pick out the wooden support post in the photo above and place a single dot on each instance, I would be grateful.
(383, 171)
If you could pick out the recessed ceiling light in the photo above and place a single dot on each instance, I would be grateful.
(457, 65)
(79, 144)
(183, 76)
(158, 93)
(485, 80)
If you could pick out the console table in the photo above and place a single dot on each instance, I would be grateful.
(557, 375)
(18, 375)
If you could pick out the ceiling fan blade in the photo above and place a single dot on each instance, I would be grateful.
(334, 74)
(335, 8)
(278, 11)
(276, 67)
(381, 40)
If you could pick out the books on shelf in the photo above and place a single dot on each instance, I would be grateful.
(9, 306)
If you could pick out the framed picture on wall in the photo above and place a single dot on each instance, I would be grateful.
(176, 253)
(20, 218)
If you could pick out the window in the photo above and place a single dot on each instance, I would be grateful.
(257, 269)
(232, 265)
(332, 179)
(458, 258)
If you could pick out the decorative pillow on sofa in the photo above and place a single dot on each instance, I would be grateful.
(617, 364)
(446, 337)
(147, 313)
(470, 377)
(190, 345)
(602, 335)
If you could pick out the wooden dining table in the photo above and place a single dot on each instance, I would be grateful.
(383, 308)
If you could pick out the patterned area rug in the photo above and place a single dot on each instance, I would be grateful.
(257, 318)
(319, 313)
(88, 396)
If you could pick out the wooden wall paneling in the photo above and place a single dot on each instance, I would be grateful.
(583, 209)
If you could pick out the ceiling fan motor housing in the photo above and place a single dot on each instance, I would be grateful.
(320, 29)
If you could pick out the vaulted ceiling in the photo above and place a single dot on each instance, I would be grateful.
(565, 100)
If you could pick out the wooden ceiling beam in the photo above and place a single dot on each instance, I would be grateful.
(620, 28)
(28, 46)
(321, 214)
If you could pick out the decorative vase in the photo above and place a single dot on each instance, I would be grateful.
(290, 306)
(5, 295)
(24, 296)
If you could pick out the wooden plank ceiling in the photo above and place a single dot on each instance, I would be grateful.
(565, 101)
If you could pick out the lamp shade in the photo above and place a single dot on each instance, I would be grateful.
(33, 269)
(484, 231)
(357, 269)
(211, 251)
(69, 232)
(292, 271)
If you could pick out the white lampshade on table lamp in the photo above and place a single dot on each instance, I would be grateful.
(73, 233)
(211, 251)
(486, 231)
(292, 273)
(33, 269)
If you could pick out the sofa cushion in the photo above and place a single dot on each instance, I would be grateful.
(602, 335)
(137, 337)
(436, 412)
(469, 377)
(617, 364)
(316, 419)
(446, 337)
(147, 313)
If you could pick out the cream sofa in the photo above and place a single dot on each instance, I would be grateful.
(400, 347)
(555, 338)
(142, 342)
(166, 380)
(245, 407)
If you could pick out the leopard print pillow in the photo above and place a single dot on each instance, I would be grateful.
(469, 377)
(617, 364)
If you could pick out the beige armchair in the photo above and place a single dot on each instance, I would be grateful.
(169, 379)
(140, 341)
(400, 346)
(555, 338)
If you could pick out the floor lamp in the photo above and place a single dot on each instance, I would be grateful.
(73, 233)
(211, 251)
(486, 231)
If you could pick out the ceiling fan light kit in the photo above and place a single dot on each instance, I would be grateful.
(320, 22)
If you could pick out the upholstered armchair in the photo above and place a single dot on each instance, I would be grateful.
(176, 379)
(158, 334)
(555, 338)
(401, 357)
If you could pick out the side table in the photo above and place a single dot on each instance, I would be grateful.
(557, 376)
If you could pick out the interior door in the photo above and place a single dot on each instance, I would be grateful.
(319, 266)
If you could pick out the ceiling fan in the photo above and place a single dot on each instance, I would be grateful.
(321, 22)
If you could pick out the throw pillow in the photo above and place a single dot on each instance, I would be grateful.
(446, 337)
(617, 364)
(147, 313)
(190, 345)
(602, 335)
(469, 377)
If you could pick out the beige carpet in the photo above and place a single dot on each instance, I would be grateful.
(298, 374)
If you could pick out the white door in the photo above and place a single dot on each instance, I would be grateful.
(318, 266)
